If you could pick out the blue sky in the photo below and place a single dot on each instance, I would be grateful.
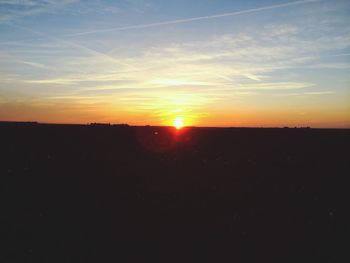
(210, 62)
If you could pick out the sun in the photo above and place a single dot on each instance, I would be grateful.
(178, 122)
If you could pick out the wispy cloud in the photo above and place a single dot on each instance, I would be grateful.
(11, 10)
(193, 19)
(72, 44)
(306, 93)
(257, 66)
(197, 66)
(319, 92)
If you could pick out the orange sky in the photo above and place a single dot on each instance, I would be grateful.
(220, 63)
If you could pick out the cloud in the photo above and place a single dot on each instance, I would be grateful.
(278, 86)
(318, 92)
(308, 93)
(233, 69)
(11, 10)
(20, 2)
(80, 47)
(95, 7)
(193, 19)
(220, 66)
(243, 61)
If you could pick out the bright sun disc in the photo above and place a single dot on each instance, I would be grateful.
(178, 122)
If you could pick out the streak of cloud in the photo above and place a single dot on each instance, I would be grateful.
(24, 8)
(193, 19)
(75, 45)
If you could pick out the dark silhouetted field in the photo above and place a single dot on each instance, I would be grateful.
(75, 193)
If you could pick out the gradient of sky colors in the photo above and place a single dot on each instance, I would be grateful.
(208, 62)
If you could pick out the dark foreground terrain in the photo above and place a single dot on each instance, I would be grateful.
(72, 193)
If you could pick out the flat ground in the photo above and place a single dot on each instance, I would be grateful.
(74, 193)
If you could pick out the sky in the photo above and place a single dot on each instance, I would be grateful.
(149, 62)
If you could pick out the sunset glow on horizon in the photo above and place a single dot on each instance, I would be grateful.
(176, 63)
(179, 122)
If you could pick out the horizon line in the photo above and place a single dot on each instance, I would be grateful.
(170, 126)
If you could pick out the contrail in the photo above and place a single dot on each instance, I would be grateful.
(192, 19)
(72, 44)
